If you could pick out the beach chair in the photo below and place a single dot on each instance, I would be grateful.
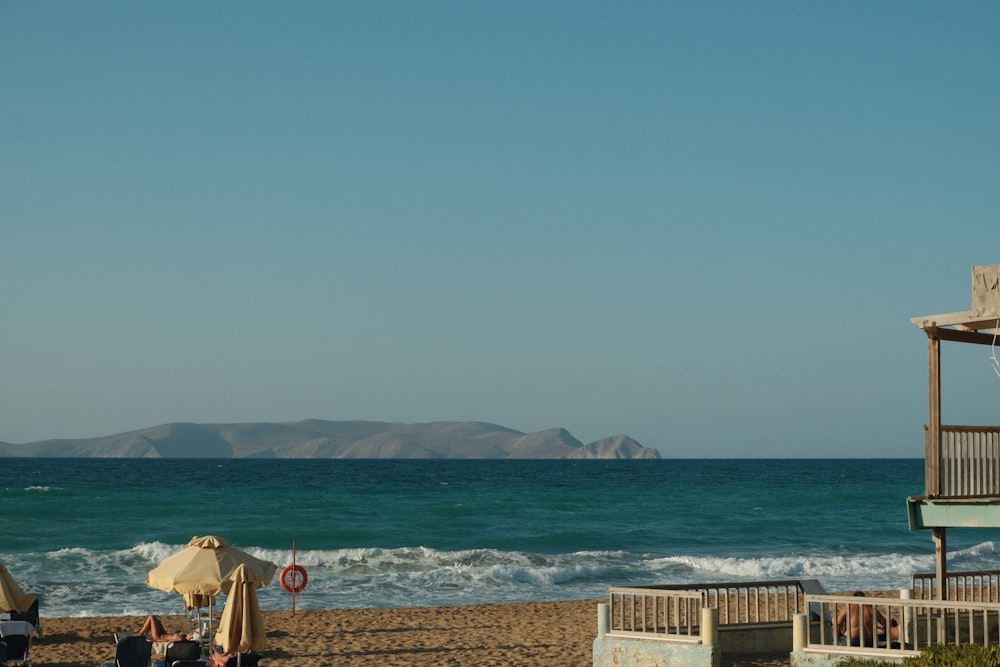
(14, 650)
(180, 651)
(133, 651)
(16, 635)
(30, 616)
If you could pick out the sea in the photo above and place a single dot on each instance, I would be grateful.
(82, 534)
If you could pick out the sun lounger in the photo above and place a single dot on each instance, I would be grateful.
(180, 651)
(133, 651)
(17, 637)
(30, 616)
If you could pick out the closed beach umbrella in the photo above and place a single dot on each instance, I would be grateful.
(206, 566)
(241, 628)
(12, 597)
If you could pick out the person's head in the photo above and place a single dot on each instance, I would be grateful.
(859, 594)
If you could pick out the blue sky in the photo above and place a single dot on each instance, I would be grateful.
(703, 224)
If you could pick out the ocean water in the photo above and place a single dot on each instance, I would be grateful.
(83, 533)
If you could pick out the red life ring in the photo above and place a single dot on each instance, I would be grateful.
(294, 578)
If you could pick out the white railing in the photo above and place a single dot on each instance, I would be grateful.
(673, 612)
(659, 614)
(895, 627)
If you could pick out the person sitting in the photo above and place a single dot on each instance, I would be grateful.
(154, 628)
(863, 619)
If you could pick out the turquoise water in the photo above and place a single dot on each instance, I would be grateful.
(83, 533)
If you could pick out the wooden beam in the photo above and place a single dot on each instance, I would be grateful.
(957, 336)
(965, 320)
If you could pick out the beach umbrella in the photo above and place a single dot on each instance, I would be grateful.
(12, 597)
(241, 628)
(203, 569)
(206, 566)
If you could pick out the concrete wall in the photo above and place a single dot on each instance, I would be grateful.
(619, 652)
(802, 659)
(770, 638)
(628, 652)
(622, 652)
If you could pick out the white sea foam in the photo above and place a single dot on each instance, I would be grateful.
(864, 571)
(418, 575)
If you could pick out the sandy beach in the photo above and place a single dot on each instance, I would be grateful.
(556, 634)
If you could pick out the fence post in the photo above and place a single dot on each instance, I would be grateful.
(800, 632)
(906, 594)
(603, 618)
(709, 626)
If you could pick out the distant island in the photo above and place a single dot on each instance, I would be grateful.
(320, 439)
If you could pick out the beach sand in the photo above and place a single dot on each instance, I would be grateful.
(556, 634)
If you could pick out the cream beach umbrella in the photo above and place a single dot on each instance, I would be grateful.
(241, 628)
(12, 597)
(206, 566)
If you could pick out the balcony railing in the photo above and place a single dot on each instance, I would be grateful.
(964, 464)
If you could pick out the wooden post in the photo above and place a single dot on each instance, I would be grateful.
(941, 560)
(932, 455)
(932, 458)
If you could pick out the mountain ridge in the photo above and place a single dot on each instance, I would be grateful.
(318, 438)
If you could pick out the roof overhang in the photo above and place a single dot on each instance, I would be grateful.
(979, 325)
(963, 327)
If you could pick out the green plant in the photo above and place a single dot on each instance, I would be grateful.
(861, 662)
(937, 655)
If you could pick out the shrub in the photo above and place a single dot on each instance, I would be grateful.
(937, 655)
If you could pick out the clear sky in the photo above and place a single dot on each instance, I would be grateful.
(702, 224)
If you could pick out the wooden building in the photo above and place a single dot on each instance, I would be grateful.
(962, 463)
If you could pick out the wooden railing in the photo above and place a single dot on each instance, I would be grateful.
(673, 612)
(964, 464)
(979, 586)
(909, 625)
